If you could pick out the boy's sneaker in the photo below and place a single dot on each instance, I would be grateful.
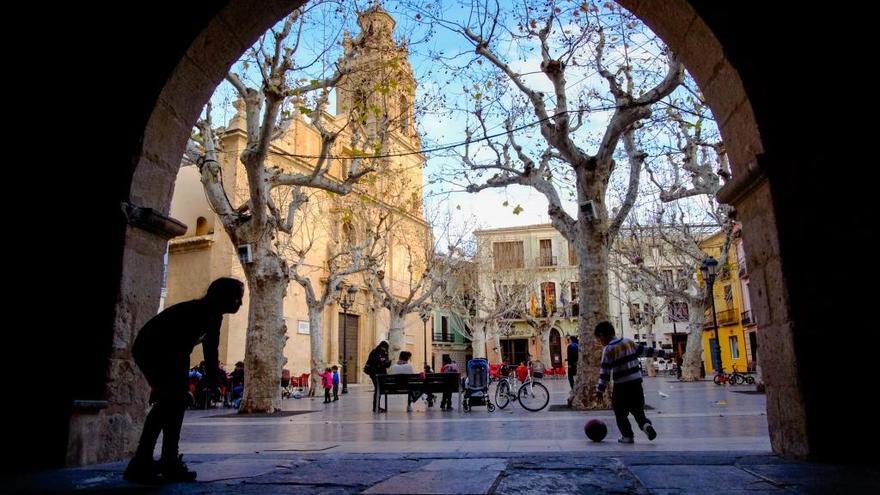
(649, 430)
(625, 440)
(409, 408)
(177, 470)
(144, 471)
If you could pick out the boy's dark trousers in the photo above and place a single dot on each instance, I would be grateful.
(572, 371)
(326, 395)
(335, 391)
(628, 398)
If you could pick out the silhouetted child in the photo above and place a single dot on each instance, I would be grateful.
(620, 363)
(335, 382)
(327, 381)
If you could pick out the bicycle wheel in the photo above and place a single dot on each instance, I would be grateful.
(719, 379)
(534, 396)
(502, 394)
(750, 380)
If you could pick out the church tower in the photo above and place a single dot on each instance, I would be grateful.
(380, 84)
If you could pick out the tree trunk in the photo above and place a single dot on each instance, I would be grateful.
(316, 344)
(592, 253)
(692, 363)
(478, 343)
(264, 351)
(396, 334)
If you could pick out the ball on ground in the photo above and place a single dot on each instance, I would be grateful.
(595, 430)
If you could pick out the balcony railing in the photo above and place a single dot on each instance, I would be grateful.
(545, 260)
(444, 337)
(746, 317)
(725, 317)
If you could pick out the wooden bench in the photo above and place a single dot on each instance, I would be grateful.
(407, 384)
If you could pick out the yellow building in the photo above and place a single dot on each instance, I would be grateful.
(205, 251)
(737, 349)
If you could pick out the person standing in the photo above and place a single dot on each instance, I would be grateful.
(377, 364)
(572, 355)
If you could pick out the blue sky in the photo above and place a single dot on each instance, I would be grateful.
(444, 124)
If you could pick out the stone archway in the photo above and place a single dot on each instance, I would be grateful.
(200, 63)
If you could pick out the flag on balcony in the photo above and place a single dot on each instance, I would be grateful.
(533, 305)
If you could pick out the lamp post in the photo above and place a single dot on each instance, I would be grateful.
(425, 315)
(346, 300)
(708, 269)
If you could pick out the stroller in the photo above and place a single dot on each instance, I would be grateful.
(476, 385)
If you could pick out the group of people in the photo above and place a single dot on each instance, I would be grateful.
(162, 352)
(379, 363)
(229, 387)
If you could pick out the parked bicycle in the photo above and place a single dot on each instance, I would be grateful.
(531, 394)
(734, 378)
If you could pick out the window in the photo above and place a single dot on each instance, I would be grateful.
(682, 280)
(201, 226)
(508, 254)
(572, 254)
(635, 315)
(546, 253)
(404, 115)
(548, 298)
(667, 278)
(444, 329)
(734, 346)
(728, 296)
(655, 255)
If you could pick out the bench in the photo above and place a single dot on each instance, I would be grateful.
(407, 384)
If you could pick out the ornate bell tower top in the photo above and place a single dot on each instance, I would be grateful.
(380, 80)
(375, 21)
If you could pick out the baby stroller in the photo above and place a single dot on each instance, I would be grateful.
(476, 385)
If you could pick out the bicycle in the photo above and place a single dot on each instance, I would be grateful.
(532, 395)
(737, 378)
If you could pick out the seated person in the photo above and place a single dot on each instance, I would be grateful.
(403, 367)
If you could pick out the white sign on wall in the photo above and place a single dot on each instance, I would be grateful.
(303, 328)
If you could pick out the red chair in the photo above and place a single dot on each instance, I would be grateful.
(560, 371)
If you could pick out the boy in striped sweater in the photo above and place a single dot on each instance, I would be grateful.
(620, 363)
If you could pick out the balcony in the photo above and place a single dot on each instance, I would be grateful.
(725, 317)
(746, 317)
(444, 337)
(546, 260)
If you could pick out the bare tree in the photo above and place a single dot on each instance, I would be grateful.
(568, 38)
(258, 223)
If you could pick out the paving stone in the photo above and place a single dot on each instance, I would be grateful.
(575, 481)
(698, 478)
(438, 482)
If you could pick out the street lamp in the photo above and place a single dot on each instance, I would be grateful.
(346, 300)
(709, 268)
(425, 315)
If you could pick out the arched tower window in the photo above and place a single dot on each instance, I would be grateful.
(201, 226)
(404, 115)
